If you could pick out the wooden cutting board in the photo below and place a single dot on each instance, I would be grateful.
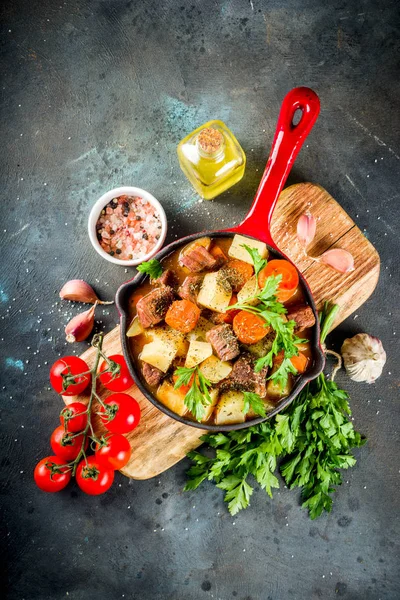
(159, 441)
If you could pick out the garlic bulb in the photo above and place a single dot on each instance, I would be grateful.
(364, 357)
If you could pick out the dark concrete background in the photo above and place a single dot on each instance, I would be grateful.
(95, 95)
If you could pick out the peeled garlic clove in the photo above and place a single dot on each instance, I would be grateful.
(80, 291)
(306, 228)
(80, 327)
(363, 357)
(338, 259)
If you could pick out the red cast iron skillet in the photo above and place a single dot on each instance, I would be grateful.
(288, 140)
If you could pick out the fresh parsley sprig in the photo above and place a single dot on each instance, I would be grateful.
(273, 311)
(152, 268)
(258, 262)
(198, 395)
(314, 436)
(254, 402)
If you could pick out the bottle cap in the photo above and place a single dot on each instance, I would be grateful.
(210, 141)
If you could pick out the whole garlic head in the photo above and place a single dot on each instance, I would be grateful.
(364, 357)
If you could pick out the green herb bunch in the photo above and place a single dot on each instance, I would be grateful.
(313, 437)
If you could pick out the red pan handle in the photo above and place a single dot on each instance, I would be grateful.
(288, 140)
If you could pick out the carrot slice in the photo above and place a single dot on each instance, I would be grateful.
(289, 281)
(219, 255)
(182, 315)
(238, 273)
(300, 362)
(249, 328)
(183, 388)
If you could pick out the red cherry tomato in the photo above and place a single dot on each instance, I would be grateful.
(93, 477)
(121, 413)
(73, 417)
(116, 383)
(115, 452)
(48, 478)
(289, 281)
(66, 446)
(62, 372)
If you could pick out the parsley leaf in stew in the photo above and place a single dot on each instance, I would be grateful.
(254, 402)
(273, 311)
(258, 262)
(198, 395)
(152, 268)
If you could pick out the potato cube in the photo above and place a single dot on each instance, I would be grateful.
(214, 369)
(197, 353)
(268, 405)
(165, 333)
(215, 292)
(210, 408)
(172, 398)
(237, 251)
(261, 348)
(230, 408)
(199, 332)
(249, 290)
(159, 353)
(275, 391)
(135, 328)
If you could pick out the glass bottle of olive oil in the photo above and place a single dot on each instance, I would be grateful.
(212, 159)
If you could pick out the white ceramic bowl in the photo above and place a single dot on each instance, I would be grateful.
(105, 199)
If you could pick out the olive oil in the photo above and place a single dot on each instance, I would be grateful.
(212, 159)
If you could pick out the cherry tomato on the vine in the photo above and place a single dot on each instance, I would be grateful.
(74, 417)
(121, 413)
(48, 477)
(115, 451)
(116, 383)
(62, 376)
(94, 477)
(65, 445)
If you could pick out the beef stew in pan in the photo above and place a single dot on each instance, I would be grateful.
(220, 330)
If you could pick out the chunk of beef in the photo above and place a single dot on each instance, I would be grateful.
(167, 278)
(303, 315)
(216, 318)
(190, 288)
(197, 259)
(224, 342)
(244, 378)
(152, 308)
(151, 374)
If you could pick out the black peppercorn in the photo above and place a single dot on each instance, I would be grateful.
(118, 251)
(112, 252)
(145, 236)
